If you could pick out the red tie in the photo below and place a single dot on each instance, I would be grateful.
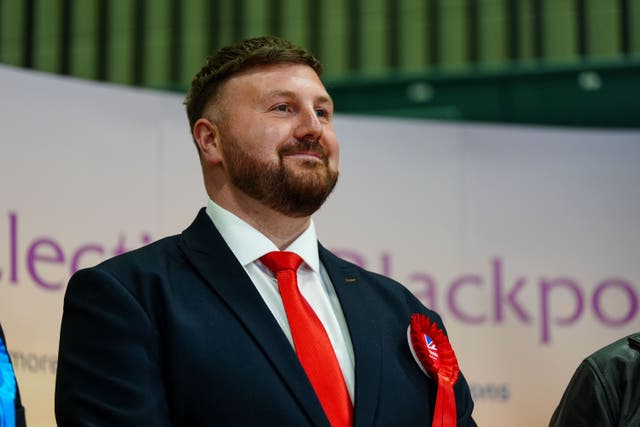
(311, 341)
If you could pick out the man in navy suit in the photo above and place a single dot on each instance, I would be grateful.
(192, 330)
(11, 409)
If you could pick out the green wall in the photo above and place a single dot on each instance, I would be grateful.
(377, 43)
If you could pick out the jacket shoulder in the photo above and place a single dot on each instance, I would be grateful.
(154, 253)
(133, 270)
(622, 351)
(634, 341)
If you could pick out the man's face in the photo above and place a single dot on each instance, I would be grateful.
(276, 137)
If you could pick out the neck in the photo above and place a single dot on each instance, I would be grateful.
(281, 229)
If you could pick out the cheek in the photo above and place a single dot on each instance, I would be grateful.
(333, 148)
(272, 136)
(335, 156)
(262, 137)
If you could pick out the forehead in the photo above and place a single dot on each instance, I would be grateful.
(277, 77)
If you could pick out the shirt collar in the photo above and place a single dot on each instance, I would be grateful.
(249, 244)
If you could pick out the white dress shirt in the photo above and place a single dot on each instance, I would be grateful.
(249, 245)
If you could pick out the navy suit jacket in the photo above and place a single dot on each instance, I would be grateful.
(176, 334)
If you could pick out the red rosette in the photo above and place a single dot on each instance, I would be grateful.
(433, 353)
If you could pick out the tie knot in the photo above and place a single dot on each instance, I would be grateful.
(281, 260)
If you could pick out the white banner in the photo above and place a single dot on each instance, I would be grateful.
(525, 239)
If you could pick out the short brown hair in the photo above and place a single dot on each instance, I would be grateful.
(232, 59)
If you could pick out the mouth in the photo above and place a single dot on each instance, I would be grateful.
(307, 155)
(305, 150)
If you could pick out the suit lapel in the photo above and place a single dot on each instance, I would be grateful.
(214, 261)
(364, 337)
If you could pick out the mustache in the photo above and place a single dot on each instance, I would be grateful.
(304, 145)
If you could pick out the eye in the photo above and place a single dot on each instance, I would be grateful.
(283, 108)
(321, 112)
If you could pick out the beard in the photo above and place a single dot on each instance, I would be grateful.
(292, 191)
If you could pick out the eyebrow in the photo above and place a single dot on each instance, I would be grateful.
(292, 94)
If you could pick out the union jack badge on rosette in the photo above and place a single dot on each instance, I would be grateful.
(433, 353)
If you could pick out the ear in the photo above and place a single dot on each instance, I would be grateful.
(207, 137)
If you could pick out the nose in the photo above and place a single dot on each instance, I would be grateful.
(309, 126)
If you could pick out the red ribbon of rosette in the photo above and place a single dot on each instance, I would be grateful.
(433, 352)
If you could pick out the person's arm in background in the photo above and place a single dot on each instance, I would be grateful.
(604, 389)
(585, 402)
(11, 410)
